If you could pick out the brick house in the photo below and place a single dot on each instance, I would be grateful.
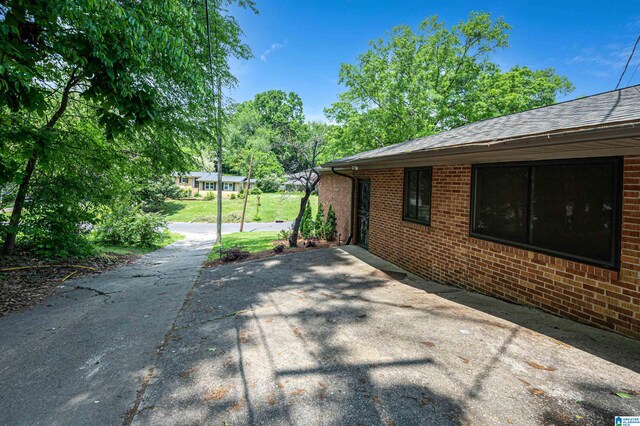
(540, 207)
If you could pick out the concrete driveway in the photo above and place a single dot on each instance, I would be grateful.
(321, 337)
(81, 357)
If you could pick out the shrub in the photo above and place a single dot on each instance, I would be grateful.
(255, 191)
(318, 224)
(306, 223)
(230, 217)
(210, 196)
(152, 192)
(58, 218)
(197, 194)
(269, 184)
(330, 225)
(185, 193)
(232, 196)
(204, 218)
(127, 226)
(241, 196)
(284, 234)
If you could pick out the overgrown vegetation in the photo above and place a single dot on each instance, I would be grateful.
(98, 99)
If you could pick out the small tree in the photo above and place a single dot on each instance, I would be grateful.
(306, 222)
(318, 224)
(330, 225)
(309, 150)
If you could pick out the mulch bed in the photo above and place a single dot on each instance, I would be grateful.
(271, 253)
(25, 281)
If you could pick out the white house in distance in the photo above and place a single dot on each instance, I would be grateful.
(204, 182)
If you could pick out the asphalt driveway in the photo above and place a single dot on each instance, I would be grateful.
(321, 337)
(198, 228)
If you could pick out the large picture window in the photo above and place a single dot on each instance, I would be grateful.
(417, 195)
(567, 208)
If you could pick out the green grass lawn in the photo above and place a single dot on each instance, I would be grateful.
(171, 237)
(272, 207)
(252, 242)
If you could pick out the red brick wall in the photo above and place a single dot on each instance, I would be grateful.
(444, 252)
(335, 190)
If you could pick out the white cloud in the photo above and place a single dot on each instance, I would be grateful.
(269, 51)
(609, 56)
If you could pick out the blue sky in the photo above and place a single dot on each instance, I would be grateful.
(298, 45)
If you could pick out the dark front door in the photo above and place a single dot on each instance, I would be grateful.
(364, 197)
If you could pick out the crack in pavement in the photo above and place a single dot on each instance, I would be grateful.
(135, 409)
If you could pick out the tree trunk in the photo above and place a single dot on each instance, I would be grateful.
(293, 239)
(10, 239)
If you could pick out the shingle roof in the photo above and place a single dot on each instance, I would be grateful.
(212, 177)
(597, 110)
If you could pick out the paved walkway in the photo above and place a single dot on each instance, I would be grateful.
(81, 357)
(323, 338)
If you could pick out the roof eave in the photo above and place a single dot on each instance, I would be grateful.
(619, 130)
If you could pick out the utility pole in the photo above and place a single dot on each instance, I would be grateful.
(216, 89)
(246, 193)
(219, 185)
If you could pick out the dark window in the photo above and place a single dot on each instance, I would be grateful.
(417, 195)
(501, 202)
(568, 208)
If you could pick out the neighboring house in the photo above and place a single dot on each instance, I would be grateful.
(540, 207)
(294, 182)
(204, 182)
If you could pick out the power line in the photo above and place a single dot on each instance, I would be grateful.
(628, 60)
(634, 74)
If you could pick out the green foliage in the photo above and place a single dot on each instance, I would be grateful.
(152, 192)
(284, 234)
(120, 88)
(416, 83)
(232, 196)
(319, 223)
(62, 204)
(130, 226)
(255, 191)
(306, 222)
(330, 225)
(270, 183)
(57, 228)
(197, 195)
(210, 196)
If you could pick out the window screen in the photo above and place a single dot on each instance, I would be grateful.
(568, 208)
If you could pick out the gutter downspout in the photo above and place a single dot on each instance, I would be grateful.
(353, 189)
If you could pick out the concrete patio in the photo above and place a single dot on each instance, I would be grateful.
(321, 337)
